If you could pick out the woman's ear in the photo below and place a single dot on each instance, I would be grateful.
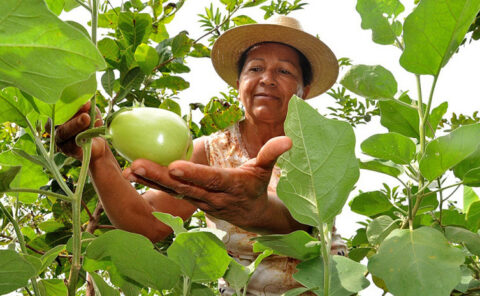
(306, 90)
(238, 84)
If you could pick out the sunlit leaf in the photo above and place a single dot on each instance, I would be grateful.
(321, 168)
(373, 82)
(445, 152)
(428, 45)
(473, 216)
(379, 229)
(174, 83)
(176, 223)
(15, 271)
(135, 27)
(219, 115)
(201, 255)
(375, 15)
(346, 276)
(39, 53)
(390, 146)
(469, 163)
(399, 118)
(417, 262)
(370, 203)
(384, 167)
(469, 196)
(243, 20)
(171, 105)
(135, 258)
(290, 245)
(181, 45)
(146, 57)
(110, 51)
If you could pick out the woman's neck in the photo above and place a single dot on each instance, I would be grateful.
(255, 135)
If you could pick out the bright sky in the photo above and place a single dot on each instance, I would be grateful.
(338, 25)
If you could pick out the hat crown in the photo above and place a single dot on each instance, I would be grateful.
(286, 21)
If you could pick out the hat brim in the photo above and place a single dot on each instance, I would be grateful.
(230, 45)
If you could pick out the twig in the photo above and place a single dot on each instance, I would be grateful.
(84, 205)
(217, 26)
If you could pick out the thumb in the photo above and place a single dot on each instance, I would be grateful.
(268, 154)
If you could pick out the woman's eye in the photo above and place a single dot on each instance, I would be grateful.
(284, 71)
(255, 69)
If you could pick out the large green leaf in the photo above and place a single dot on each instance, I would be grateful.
(375, 15)
(201, 255)
(50, 287)
(135, 27)
(384, 167)
(14, 107)
(7, 175)
(390, 146)
(346, 276)
(135, 258)
(399, 118)
(461, 235)
(445, 152)
(433, 32)
(31, 176)
(14, 270)
(469, 196)
(321, 168)
(373, 82)
(380, 228)
(370, 203)
(146, 57)
(418, 262)
(469, 163)
(39, 53)
(290, 245)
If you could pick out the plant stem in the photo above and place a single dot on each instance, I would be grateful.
(80, 2)
(22, 243)
(441, 202)
(430, 99)
(325, 243)
(39, 191)
(186, 285)
(51, 151)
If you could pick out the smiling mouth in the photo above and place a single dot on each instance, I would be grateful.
(263, 96)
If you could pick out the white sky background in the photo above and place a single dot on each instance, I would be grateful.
(338, 25)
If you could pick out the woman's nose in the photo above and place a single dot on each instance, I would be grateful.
(268, 78)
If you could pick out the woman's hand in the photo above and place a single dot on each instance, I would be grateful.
(66, 133)
(237, 195)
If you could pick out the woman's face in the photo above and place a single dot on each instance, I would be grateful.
(270, 76)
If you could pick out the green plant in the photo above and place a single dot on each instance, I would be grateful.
(152, 133)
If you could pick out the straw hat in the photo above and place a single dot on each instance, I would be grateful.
(230, 45)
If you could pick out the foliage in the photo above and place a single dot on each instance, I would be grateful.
(416, 242)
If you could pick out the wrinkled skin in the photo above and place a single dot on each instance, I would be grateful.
(271, 75)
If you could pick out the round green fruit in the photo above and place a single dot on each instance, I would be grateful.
(155, 134)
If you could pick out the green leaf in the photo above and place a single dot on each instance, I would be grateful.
(379, 229)
(133, 79)
(347, 277)
(201, 255)
(461, 235)
(176, 223)
(370, 203)
(32, 38)
(159, 33)
(469, 196)
(472, 178)
(445, 152)
(7, 175)
(243, 20)
(181, 45)
(468, 164)
(15, 271)
(375, 15)
(200, 290)
(50, 287)
(134, 257)
(50, 256)
(435, 118)
(384, 167)
(200, 51)
(31, 176)
(373, 82)
(238, 275)
(428, 45)
(101, 287)
(108, 80)
(418, 262)
(135, 27)
(146, 57)
(321, 168)
(399, 118)
(290, 245)
(171, 105)
(391, 146)
(219, 114)
(71, 4)
(174, 83)
(14, 107)
(55, 6)
(110, 51)
(452, 217)
(252, 3)
(473, 216)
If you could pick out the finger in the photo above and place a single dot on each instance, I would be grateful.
(210, 178)
(71, 128)
(268, 154)
(70, 148)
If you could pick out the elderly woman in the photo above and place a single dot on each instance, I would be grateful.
(232, 174)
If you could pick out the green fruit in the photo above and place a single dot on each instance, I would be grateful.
(151, 133)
